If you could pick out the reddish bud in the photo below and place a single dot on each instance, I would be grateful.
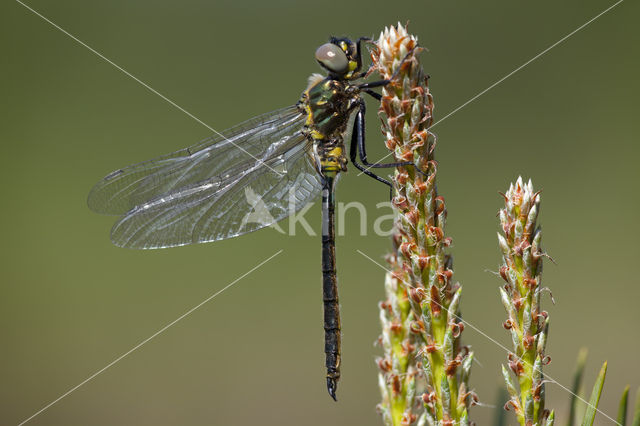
(407, 249)
(429, 397)
(408, 418)
(518, 250)
(464, 351)
(420, 187)
(412, 216)
(439, 204)
(432, 145)
(416, 327)
(452, 366)
(400, 202)
(430, 348)
(536, 391)
(436, 233)
(402, 177)
(395, 328)
(422, 135)
(445, 275)
(396, 385)
(418, 90)
(384, 364)
(503, 273)
(472, 396)
(528, 341)
(540, 320)
(386, 106)
(417, 294)
(423, 262)
(391, 144)
(406, 103)
(457, 329)
(406, 156)
(517, 302)
(517, 368)
(435, 300)
(408, 346)
(511, 404)
(515, 365)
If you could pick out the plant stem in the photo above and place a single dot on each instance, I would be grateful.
(422, 298)
(528, 323)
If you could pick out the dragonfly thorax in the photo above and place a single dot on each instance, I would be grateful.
(328, 104)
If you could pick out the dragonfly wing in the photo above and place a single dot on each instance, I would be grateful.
(252, 141)
(220, 208)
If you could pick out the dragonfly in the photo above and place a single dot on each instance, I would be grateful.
(285, 159)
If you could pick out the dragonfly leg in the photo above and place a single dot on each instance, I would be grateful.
(359, 53)
(356, 135)
(361, 74)
(358, 151)
(373, 94)
(362, 149)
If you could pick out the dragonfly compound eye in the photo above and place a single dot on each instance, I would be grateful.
(332, 58)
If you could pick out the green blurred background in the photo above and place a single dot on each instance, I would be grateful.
(71, 302)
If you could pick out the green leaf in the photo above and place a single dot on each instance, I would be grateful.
(464, 419)
(636, 410)
(622, 408)
(577, 382)
(446, 395)
(507, 380)
(551, 418)
(590, 414)
(528, 409)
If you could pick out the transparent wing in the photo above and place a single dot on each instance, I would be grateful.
(242, 201)
(240, 148)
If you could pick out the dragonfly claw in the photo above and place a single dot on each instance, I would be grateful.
(332, 385)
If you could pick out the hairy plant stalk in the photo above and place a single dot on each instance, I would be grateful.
(423, 353)
(522, 272)
(398, 367)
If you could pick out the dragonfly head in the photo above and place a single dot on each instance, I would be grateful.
(340, 57)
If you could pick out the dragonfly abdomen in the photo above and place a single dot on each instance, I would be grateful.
(332, 339)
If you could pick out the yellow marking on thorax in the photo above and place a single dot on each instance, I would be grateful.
(316, 134)
(336, 152)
